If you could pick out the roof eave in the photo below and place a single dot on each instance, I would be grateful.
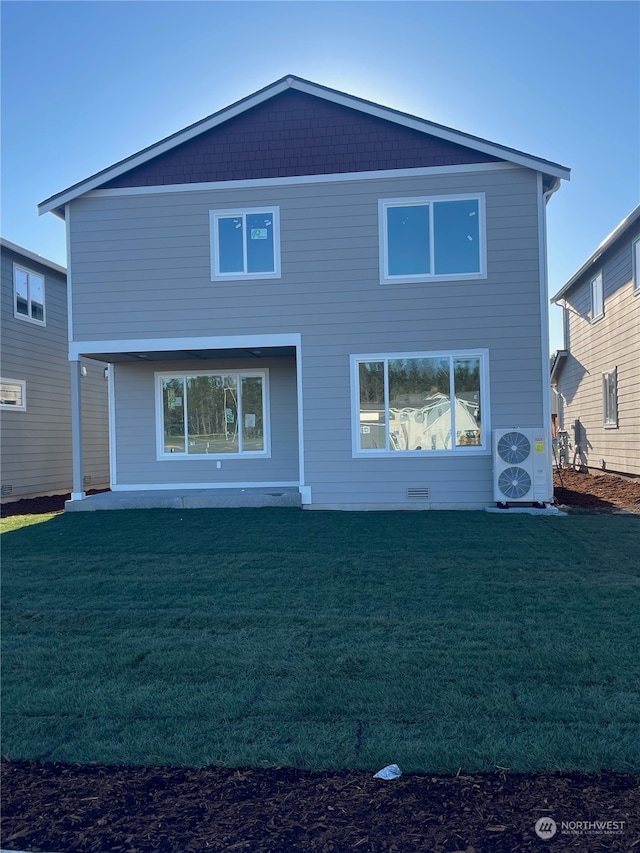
(559, 359)
(32, 256)
(56, 202)
(618, 232)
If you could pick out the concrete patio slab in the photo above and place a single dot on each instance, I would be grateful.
(188, 499)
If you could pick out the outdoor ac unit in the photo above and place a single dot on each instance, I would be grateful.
(521, 466)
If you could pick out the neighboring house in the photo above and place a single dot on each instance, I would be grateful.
(35, 384)
(597, 374)
(307, 290)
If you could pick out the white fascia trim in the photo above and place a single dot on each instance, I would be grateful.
(387, 114)
(173, 487)
(160, 148)
(294, 180)
(424, 126)
(78, 348)
(32, 256)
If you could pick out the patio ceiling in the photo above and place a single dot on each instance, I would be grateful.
(194, 355)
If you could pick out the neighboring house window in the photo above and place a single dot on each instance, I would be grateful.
(610, 398)
(28, 288)
(13, 394)
(420, 403)
(597, 298)
(636, 265)
(212, 414)
(431, 239)
(245, 244)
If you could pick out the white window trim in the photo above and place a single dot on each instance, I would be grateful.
(610, 420)
(23, 385)
(596, 287)
(635, 260)
(201, 457)
(483, 449)
(28, 318)
(385, 203)
(214, 215)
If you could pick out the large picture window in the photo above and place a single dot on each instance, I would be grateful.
(28, 290)
(245, 244)
(420, 403)
(212, 414)
(426, 239)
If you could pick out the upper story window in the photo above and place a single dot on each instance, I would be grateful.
(597, 297)
(28, 289)
(635, 248)
(420, 403)
(13, 394)
(212, 414)
(432, 239)
(245, 244)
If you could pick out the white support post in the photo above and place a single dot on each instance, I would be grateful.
(76, 431)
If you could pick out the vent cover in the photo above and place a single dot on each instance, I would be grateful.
(420, 493)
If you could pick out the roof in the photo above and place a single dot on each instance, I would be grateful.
(557, 363)
(31, 256)
(618, 233)
(56, 202)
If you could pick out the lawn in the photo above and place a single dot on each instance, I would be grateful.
(260, 637)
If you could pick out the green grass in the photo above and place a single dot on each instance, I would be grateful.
(437, 641)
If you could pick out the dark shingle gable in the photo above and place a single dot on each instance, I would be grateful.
(292, 134)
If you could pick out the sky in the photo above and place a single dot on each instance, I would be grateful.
(85, 84)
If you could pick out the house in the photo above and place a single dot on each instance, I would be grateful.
(35, 388)
(596, 376)
(308, 291)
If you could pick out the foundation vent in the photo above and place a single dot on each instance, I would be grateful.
(6, 490)
(419, 494)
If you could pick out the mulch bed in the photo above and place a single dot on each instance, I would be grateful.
(58, 807)
(68, 808)
(597, 492)
(39, 506)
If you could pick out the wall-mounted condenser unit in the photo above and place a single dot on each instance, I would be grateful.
(522, 466)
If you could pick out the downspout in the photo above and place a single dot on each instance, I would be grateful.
(77, 492)
(544, 196)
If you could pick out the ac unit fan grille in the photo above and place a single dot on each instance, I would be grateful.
(514, 483)
(514, 448)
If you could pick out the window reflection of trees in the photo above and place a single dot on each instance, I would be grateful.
(214, 405)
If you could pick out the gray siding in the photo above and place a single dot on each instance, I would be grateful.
(36, 443)
(599, 347)
(134, 387)
(141, 269)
